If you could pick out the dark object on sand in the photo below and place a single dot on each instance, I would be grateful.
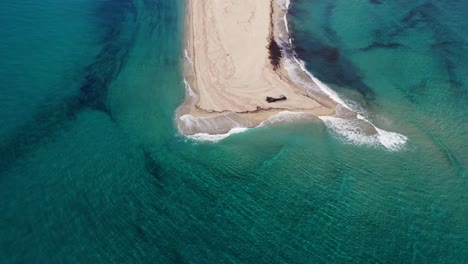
(272, 99)
(275, 53)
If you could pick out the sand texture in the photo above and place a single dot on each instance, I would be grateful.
(230, 71)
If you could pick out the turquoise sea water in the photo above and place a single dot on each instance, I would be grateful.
(93, 170)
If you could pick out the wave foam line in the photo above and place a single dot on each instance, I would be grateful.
(324, 88)
(351, 133)
(281, 117)
(217, 137)
(390, 140)
(189, 89)
(187, 57)
(192, 122)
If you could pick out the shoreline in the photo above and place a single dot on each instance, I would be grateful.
(195, 116)
(343, 120)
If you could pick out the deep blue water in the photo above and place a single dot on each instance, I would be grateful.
(93, 170)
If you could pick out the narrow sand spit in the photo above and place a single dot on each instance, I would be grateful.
(241, 71)
(235, 75)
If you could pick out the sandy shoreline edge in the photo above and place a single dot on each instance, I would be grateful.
(205, 109)
(207, 115)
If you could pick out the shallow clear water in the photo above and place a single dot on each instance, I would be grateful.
(92, 168)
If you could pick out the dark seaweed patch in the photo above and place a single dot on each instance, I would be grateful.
(330, 53)
(376, 2)
(270, 99)
(92, 93)
(328, 28)
(151, 166)
(413, 18)
(327, 61)
(378, 45)
(275, 53)
(330, 65)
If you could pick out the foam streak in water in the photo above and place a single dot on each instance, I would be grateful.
(217, 137)
(187, 57)
(195, 122)
(189, 90)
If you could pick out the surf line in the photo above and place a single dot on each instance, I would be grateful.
(342, 127)
(350, 132)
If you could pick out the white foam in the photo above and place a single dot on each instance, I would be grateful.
(286, 23)
(285, 17)
(291, 67)
(189, 90)
(217, 137)
(391, 140)
(323, 87)
(281, 117)
(343, 127)
(187, 57)
(191, 121)
(284, 4)
(350, 132)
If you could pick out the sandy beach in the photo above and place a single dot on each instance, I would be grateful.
(235, 75)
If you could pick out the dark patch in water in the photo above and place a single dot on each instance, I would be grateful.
(151, 166)
(326, 61)
(275, 53)
(450, 59)
(330, 66)
(92, 93)
(416, 16)
(107, 66)
(378, 45)
(43, 125)
(331, 34)
(155, 20)
(376, 2)
(330, 53)
(448, 45)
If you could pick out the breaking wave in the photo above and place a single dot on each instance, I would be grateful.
(350, 131)
(348, 128)
(217, 137)
(221, 127)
